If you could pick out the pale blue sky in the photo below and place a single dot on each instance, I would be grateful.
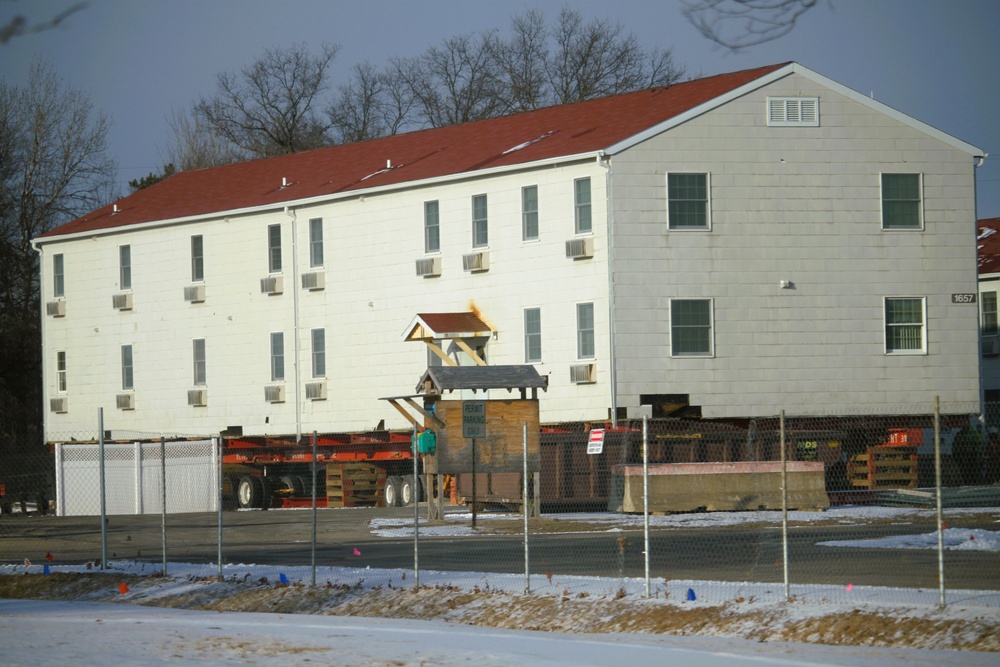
(935, 60)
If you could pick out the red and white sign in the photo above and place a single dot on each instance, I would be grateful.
(595, 445)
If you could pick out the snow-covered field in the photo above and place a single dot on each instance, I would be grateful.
(445, 621)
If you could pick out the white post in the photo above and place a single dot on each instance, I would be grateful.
(784, 506)
(937, 494)
(104, 508)
(524, 506)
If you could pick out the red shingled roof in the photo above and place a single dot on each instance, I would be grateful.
(552, 132)
(988, 242)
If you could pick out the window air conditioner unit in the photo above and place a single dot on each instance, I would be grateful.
(429, 267)
(272, 285)
(198, 397)
(476, 262)
(194, 293)
(991, 347)
(316, 391)
(122, 301)
(58, 404)
(274, 393)
(314, 281)
(125, 401)
(580, 248)
(582, 374)
(56, 308)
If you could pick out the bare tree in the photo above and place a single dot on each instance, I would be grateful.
(53, 167)
(523, 60)
(371, 104)
(271, 107)
(599, 58)
(738, 24)
(196, 146)
(456, 82)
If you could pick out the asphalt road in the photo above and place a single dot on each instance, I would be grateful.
(730, 553)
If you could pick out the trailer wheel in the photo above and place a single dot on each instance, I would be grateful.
(393, 491)
(250, 492)
(409, 488)
(293, 485)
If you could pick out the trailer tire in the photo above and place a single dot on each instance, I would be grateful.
(295, 484)
(410, 490)
(393, 491)
(250, 492)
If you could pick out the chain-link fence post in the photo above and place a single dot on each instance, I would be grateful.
(163, 500)
(104, 508)
(645, 497)
(312, 557)
(784, 502)
(217, 453)
(524, 505)
(416, 509)
(937, 495)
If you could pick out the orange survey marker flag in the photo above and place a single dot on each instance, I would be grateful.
(123, 588)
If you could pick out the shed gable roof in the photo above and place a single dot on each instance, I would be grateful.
(988, 245)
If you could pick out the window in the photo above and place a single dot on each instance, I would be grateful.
(316, 242)
(480, 224)
(197, 259)
(319, 353)
(901, 207)
(277, 356)
(989, 313)
(58, 276)
(127, 382)
(432, 227)
(125, 266)
(529, 213)
(793, 111)
(585, 330)
(61, 372)
(274, 248)
(904, 325)
(199, 362)
(532, 335)
(581, 201)
(690, 327)
(687, 201)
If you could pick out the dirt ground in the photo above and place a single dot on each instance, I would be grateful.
(919, 629)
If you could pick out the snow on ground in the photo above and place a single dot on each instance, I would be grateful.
(40, 633)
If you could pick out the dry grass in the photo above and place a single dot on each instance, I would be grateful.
(923, 629)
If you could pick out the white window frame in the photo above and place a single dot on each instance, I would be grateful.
(707, 227)
(432, 227)
(674, 353)
(318, 352)
(480, 226)
(583, 219)
(197, 258)
(277, 355)
(529, 216)
(922, 324)
(920, 201)
(58, 275)
(61, 373)
(989, 317)
(316, 243)
(274, 248)
(125, 266)
(792, 111)
(586, 336)
(128, 368)
(199, 358)
(532, 336)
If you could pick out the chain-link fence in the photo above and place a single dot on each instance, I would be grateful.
(801, 506)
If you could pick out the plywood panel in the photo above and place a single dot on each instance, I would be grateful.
(501, 450)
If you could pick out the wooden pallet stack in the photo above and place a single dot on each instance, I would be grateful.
(884, 467)
(355, 484)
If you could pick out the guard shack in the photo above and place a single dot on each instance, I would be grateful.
(472, 436)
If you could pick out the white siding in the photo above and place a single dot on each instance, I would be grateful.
(372, 292)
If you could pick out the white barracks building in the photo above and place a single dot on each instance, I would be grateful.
(731, 246)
